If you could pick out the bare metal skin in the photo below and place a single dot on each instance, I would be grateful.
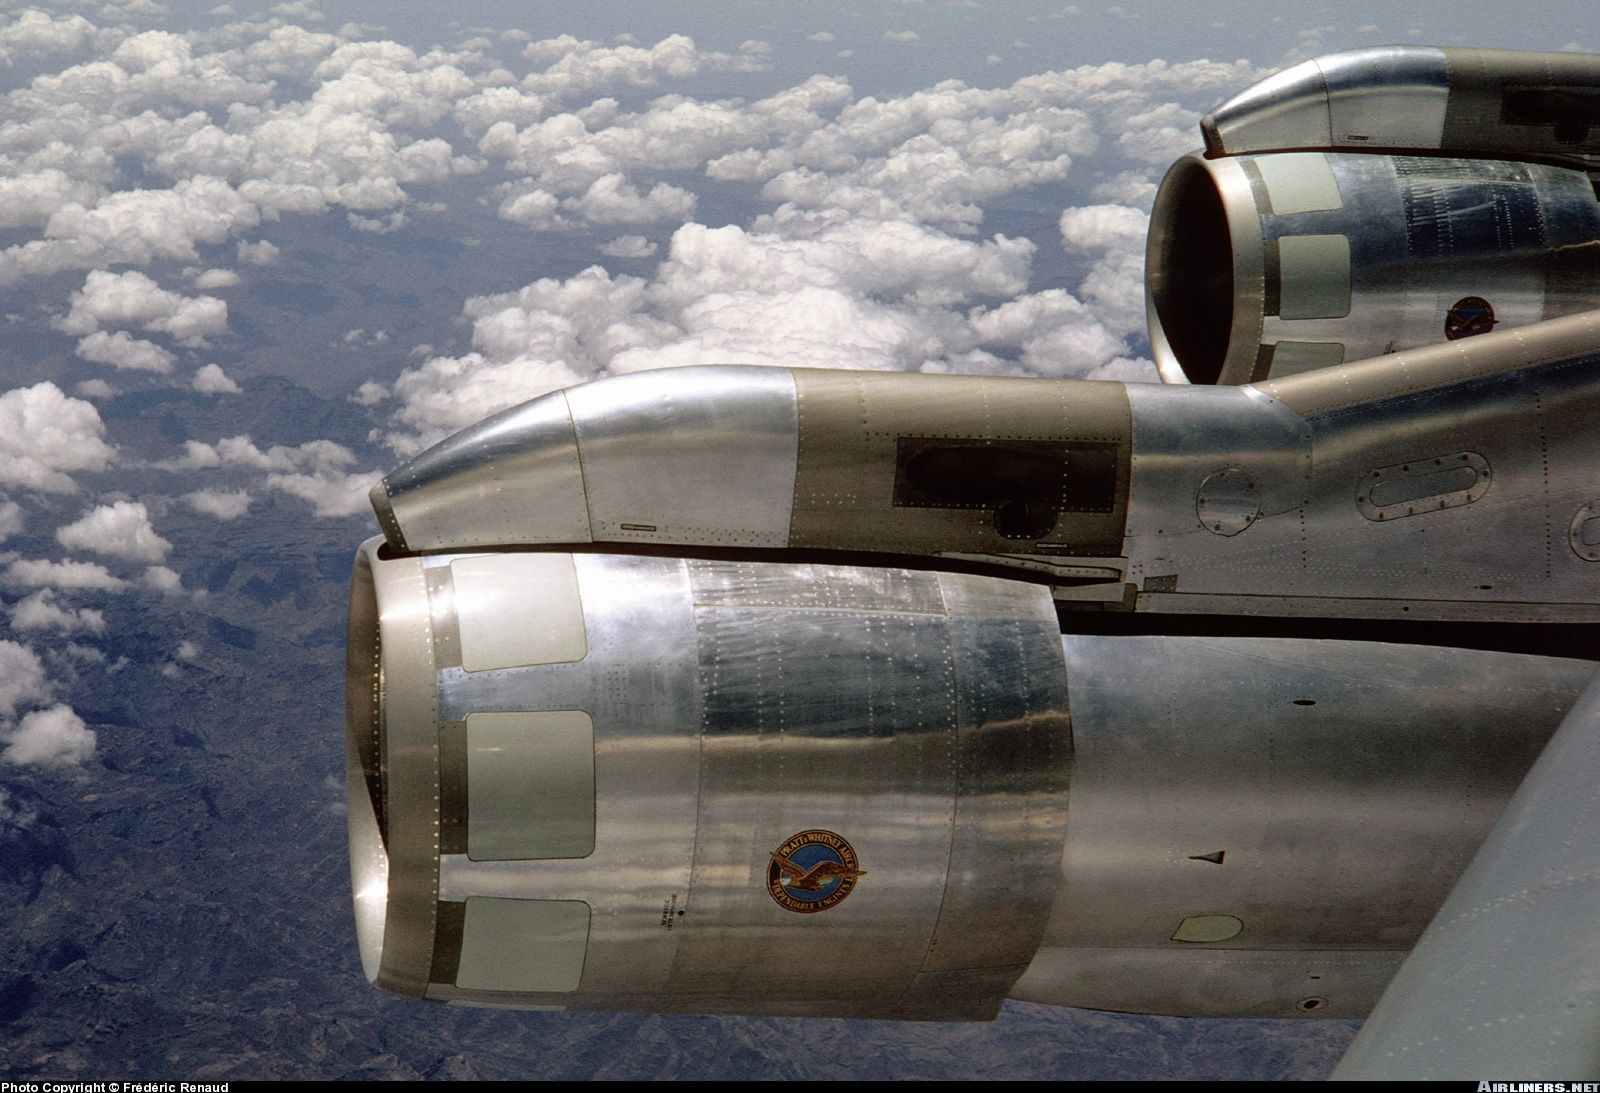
(801, 692)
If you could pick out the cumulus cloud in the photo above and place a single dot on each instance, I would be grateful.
(22, 678)
(37, 34)
(11, 519)
(135, 299)
(629, 246)
(318, 472)
(43, 573)
(54, 738)
(610, 200)
(30, 200)
(119, 530)
(328, 492)
(572, 67)
(124, 352)
(1114, 284)
(44, 435)
(96, 388)
(132, 228)
(40, 611)
(216, 278)
(210, 379)
(261, 253)
(161, 579)
(223, 504)
(901, 36)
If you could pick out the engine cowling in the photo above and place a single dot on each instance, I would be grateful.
(637, 782)
(1263, 266)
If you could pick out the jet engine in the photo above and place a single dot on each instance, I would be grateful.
(1348, 207)
(816, 693)
(632, 781)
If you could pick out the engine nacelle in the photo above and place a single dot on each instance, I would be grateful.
(1262, 266)
(608, 781)
(635, 782)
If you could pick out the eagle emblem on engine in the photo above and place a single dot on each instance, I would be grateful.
(813, 871)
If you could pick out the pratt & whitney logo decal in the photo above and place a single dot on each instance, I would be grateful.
(813, 871)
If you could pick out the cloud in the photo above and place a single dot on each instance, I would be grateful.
(210, 379)
(11, 519)
(216, 278)
(96, 388)
(133, 298)
(22, 678)
(901, 36)
(124, 352)
(119, 530)
(39, 611)
(260, 253)
(330, 493)
(573, 67)
(30, 200)
(223, 504)
(55, 737)
(44, 434)
(36, 34)
(42, 573)
(133, 228)
(161, 579)
(610, 200)
(316, 472)
(629, 246)
(1114, 284)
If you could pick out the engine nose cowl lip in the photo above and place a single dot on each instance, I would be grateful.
(702, 454)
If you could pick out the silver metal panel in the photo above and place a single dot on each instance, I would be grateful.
(1014, 752)
(1380, 97)
(511, 478)
(1290, 358)
(1299, 182)
(639, 686)
(390, 736)
(1386, 96)
(1182, 437)
(1343, 785)
(530, 785)
(817, 719)
(1288, 109)
(1438, 249)
(1507, 978)
(920, 716)
(1197, 982)
(516, 609)
(1507, 550)
(690, 455)
(523, 945)
(1315, 271)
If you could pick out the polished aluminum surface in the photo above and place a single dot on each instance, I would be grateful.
(1507, 978)
(1405, 252)
(1381, 97)
(512, 478)
(392, 756)
(1469, 101)
(689, 455)
(920, 715)
(1324, 793)
(1313, 444)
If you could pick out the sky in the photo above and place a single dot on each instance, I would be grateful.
(252, 256)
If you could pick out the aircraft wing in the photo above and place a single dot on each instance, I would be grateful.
(1505, 983)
